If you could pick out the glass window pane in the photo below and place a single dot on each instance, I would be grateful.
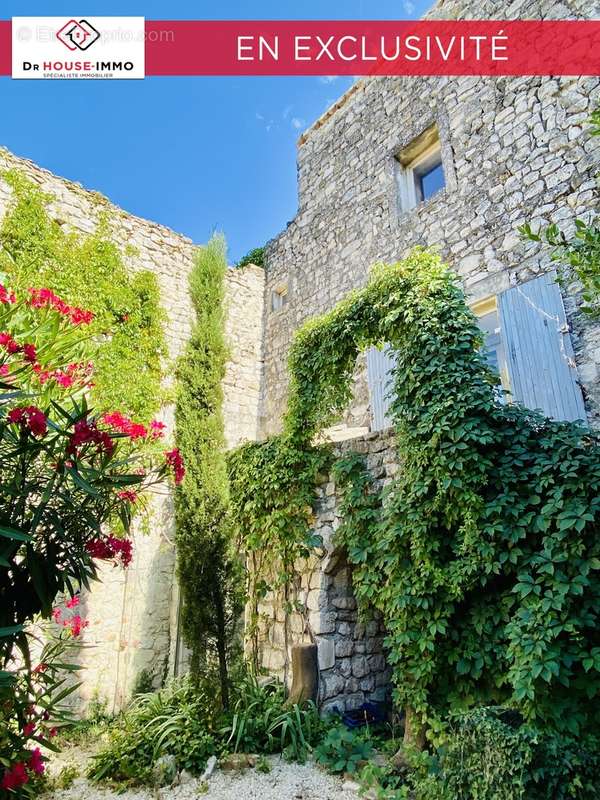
(431, 181)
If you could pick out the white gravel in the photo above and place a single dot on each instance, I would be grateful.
(284, 782)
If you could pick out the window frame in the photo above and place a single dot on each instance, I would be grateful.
(282, 295)
(416, 161)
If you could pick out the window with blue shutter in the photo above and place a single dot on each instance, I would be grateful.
(380, 365)
(539, 353)
(527, 342)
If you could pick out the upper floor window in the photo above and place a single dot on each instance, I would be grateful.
(420, 171)
(526, 343)
(279, 298)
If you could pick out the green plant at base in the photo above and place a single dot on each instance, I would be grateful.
(89, 271)
(260, 721)
(208, 571)
(343, 750)
(491, 755)
(186, 720)
(483, 556)
(179, 720)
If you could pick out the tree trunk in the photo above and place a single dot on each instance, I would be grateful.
(305, 674)
(414, 731)
(221, 646)
(414, 738)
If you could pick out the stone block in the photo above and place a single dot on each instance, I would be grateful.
(326, 653)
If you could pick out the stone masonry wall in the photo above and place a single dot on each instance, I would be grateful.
(132, 613)
(513, 150)
(352, 663)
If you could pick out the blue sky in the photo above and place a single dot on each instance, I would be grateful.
(196, 154)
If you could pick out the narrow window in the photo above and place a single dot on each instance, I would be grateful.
(488, 317)
(279, 298)
(420, 171)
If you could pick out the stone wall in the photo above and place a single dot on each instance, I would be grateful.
(133, 613)
(513, 150)
(352, 663)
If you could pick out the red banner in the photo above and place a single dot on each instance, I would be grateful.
(196, 47)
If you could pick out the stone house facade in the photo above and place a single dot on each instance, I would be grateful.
(456, 163)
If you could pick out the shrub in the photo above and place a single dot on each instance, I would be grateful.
(343, 750)
(491, 755)
(179, 720)
(70, 480)
(255, 256)
(185, 720)
(261, 721)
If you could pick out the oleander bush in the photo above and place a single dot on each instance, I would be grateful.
(71, 479)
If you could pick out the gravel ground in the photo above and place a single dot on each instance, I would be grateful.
(284, 782)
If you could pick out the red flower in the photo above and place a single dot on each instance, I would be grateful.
(9, 344)
(30, 353)
(6, 296)
(53, 732)
(76, 624)
(128, 494)
(56, 615)
(157, 429)
(29, 729)
(36, 762)
(111, 547)
(73, 602)
(14, 777)
(175, 461)
(87, 433)
(4, 370)
(41, 667)
(30, 417)
(121, 423)
(45, 298)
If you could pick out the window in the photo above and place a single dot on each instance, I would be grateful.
(420, 171)
(527, 343)
(279, 298)
(488, 316)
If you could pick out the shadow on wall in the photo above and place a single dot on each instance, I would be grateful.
(353, 667)
(129, 611)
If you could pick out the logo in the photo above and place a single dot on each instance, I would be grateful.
(78, 35)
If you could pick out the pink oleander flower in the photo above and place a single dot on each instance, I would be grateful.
(73, 602)
(29, 417)
(6, 296)
(175, 461)
(157, 429)
(128, 494)
(121, 423)
(36, 762)
(15, 777)
(9, 344)
(75, 625)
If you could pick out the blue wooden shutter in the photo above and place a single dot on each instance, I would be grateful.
(380, 365)
(541, 362)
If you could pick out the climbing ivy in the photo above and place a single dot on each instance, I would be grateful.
(208, 571)
(89, 271)
(483, 554)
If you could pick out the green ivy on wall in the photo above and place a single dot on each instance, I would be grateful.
(89, 271)
(483, 556)
(208, 570)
